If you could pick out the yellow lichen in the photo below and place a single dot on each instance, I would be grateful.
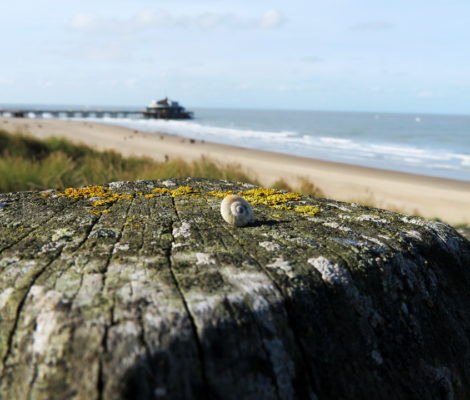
(282, 207)
(272, 198)
(105, 196)
(180, 191)
(100, 212)
(260, 196)
(269, 197)
(308, 210)
(161, 190)
(109, 198)
(218, 193)
(85, 192)
(183, 191)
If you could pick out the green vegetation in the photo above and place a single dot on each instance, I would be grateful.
(304, 186)
(27, 163)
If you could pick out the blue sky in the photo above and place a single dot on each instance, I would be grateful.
(362, 55)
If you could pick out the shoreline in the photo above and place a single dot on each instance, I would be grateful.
(430, 197)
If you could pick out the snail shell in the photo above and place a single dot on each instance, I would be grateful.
(236, 210)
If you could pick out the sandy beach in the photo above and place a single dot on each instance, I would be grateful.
(446, 199)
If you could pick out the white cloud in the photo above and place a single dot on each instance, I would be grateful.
(161, 18)
(83, 22)
(153, 18)
(372, 26)
(271, 19)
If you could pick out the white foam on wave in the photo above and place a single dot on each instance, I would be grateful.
(465, 159)
(335, 141)
(330, 148)
(194, 129)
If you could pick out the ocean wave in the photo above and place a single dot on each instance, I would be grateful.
(381, 155)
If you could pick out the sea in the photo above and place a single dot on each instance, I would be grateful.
(427, 144)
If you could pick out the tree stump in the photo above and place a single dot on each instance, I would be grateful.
(139, 290)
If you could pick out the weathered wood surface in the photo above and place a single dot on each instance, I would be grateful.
(161, 299)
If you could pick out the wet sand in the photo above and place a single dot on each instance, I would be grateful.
(430, 197)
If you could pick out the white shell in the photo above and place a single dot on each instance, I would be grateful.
(236, 210)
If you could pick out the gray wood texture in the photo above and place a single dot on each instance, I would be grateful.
(156, 297)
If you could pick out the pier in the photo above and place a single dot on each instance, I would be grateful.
(162, 109)
(72, 113)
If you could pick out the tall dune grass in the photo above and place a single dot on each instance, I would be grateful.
(27, 163)
(303, 186)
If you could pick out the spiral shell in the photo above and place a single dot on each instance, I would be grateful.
(236, 210)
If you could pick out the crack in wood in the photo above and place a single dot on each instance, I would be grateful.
(192, 321)
(38, 226)
(34, 278)
(19, 309)
(101, 382)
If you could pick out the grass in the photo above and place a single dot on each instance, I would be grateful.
(27, 163)
(303, 186)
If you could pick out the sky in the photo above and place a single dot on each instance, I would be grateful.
(336, 55)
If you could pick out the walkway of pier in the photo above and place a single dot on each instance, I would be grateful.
(36, 113)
